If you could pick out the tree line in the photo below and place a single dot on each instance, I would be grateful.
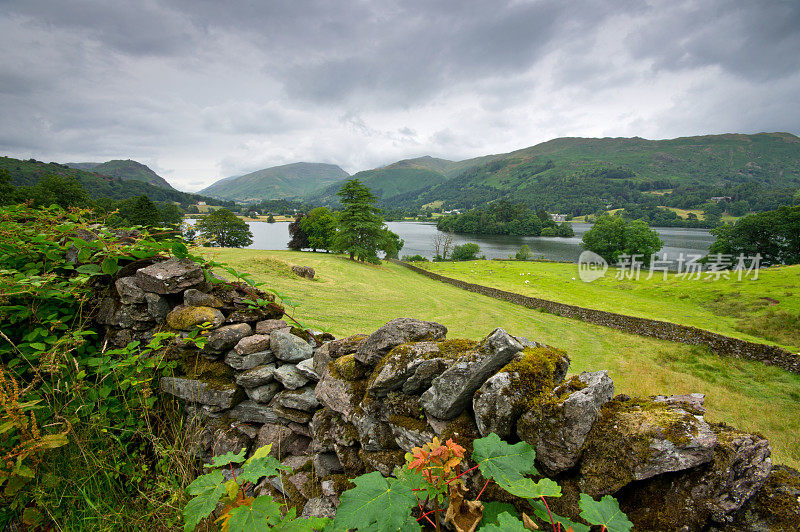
(504, 218)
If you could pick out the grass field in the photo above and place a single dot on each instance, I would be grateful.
(766, 309)
(347, 297)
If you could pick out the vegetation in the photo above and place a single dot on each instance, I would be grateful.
(128, 169)
(320, 226)
(468, 251)
(299, 238)
(361, 231)
(611, 237)
(747, 394)
(501, 218)
(774, 235)
(222, 228)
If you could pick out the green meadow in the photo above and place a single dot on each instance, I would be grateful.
(348, 297)
(766, 309)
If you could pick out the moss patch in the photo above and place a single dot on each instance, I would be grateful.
(195, 366)
(347, 368)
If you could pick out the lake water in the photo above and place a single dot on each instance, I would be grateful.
(418, 237)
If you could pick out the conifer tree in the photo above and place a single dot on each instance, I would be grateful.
(360, 232)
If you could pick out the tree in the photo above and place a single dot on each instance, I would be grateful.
(612, 236)
(270, 219)
(565, 230)
(171, 214)
(299, 238)
(360, 226)
(143, 212)
(775, 235)
(223, 229)
(65, 191)
(320, 226)
(7, 190)
(391, 243)
(468, 251)
(524, 252)
(442, 244)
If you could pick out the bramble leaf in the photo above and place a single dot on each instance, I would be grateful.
(265, 466)
(492, 509)
(503, 462)
(110, 265)
(604, 512)
(180, 250)
(228, 458)
(506, 523)
(260, 515)
(528, 489)
(376, 503)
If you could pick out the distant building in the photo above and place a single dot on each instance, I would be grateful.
(717, 199)
(558, 217)
(454, 211)
(201, 203)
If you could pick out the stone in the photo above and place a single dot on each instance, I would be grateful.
(129, 292)
(557, 430)
(230, 441)
(715, 491)
(296, 462)
(411, 433)
(350, 459)
(264, 393)
(289, 347)
(321, 359)
(695, 400)
(253, 412)
(396, 332)
(304, 271)
(452, 391)
(326, 464)
(202, 391)
(346, 346)
(226, 337)
(281, 438)
(321, 423)
(170, 276)
(251, 431)
(209, 437)
(328, 488)
(775, 507)
(245, 362)
(267, 326)
(306, 368)
(639, 439)
(423, 376)
(300, 399)
(300, 482)
(290, 377)
(183, 318)
(302, 429)
(257, 376)
(157, 307)
(382, 461)
(319, 507)
(374, 432)
(399, 365)
(291, 414)
(195, 298)
(252, 344)
(339, 394)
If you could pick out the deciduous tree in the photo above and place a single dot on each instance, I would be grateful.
(223, 229)
(612, 236)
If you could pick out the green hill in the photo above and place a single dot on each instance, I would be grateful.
(583, 175)
(287, 181)
(126, 169)
(28, 173)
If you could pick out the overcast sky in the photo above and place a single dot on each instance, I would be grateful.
(204, 89)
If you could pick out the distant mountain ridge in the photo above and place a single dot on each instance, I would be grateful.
(576, 174)
(278, 182)
(125, 169)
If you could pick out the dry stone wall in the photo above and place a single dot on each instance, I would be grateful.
(335, 409)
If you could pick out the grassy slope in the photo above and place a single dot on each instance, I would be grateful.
(347, 297)
(732, 307)
(131, 170)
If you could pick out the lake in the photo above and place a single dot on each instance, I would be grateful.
(418, 238)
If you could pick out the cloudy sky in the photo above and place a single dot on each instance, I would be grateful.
(203, 89)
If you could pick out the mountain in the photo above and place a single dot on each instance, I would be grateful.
(582, 175)
(126, 169)
(287, 181)
(28, 173)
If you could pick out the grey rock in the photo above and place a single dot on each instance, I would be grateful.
(408, 437)
(230, 441)
(296, 462)
(374, 433)
(338, 394)
(326, 464)
(195, 298)
(319, 507)
(252, 344)
(288, 415)
(559, 432)
(245, 362)
(157, 307)
(200, 391)
(300, 399)
(493, 406)
(257, 376)
(263, 393)
(695, 400)
(321, 424)
(302, 429)
(129, 292)
(423, 376)
(452, 391)
(306, 367)
(399, 365)
(304, 271)
(253, 412)
(396, 332)
(251, 431)
(300, 482)
(281, 438)
(527, 343)
(267, 326)
(187, 318)
(328, 488)
(170, 277)
(226, 337)
(288, 347)
(290, 377)
(346, 346)
(321, 359)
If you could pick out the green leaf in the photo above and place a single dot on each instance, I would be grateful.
(506, 523)
(180, 250)
(528, 489)
(503, 462)
(376, 503)
(206, 482)
(541, 512)
(266, 466)
(604, 512)
(261, 452)
(38, 346)
(492, 509)
(202, 505)
(89, 269)
(259, 515)
(52, 441)
(110, 265)
(228, 458)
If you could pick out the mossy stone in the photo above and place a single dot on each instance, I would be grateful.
(183, 318)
